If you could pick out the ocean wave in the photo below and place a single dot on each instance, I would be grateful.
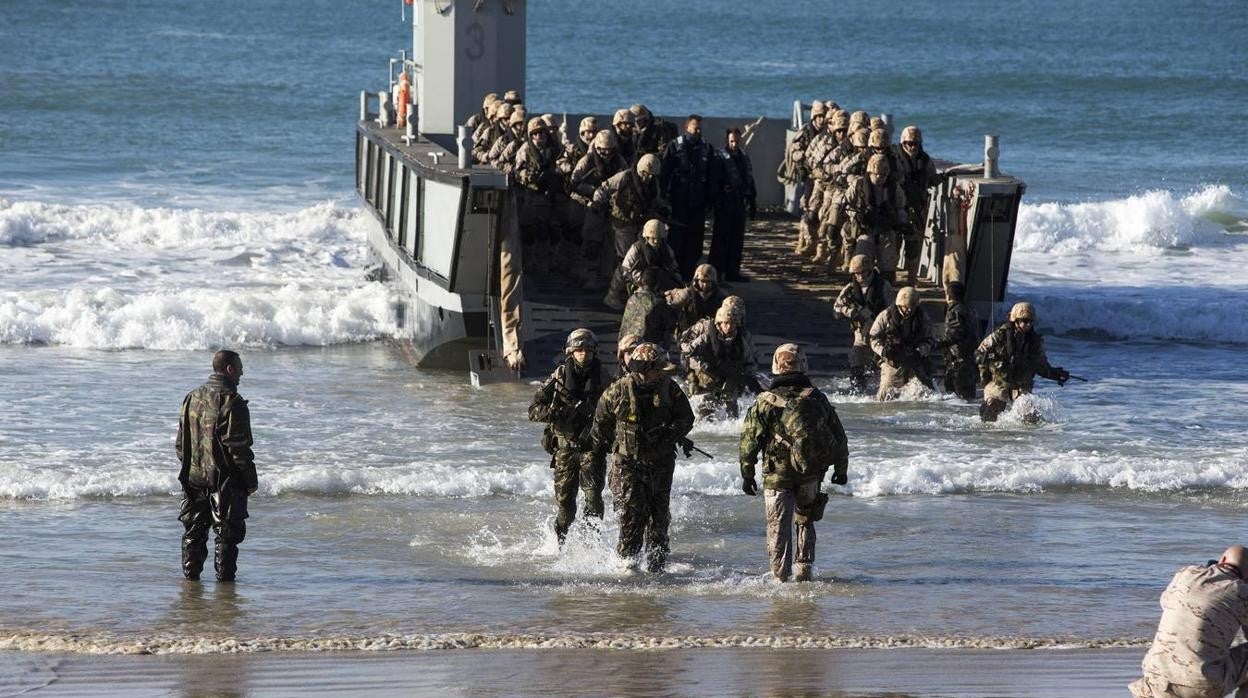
(922, 473)
(1180, 313)
(97, 644)
(1149, 222)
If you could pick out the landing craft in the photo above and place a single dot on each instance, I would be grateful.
(448, 236)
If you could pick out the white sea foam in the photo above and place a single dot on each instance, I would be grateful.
(124, 277)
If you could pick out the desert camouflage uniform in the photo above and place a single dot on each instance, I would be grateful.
(642, 256)
(960, 339)
(789, 497)
(503, 151)
(218, 473)
(630, 202)
(829, 191)
(1202, 611)
(1008, 363)
(566, 402)
(903, 344)
(483, 140)
(721, 369)
(639, 423)
(874, 214)
(861, 307)
(794, 170)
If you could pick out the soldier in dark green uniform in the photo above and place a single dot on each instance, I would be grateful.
(647, 313)
(959, 340)
(218, 468)
(1009, 360)
(796, 430)
(640, 418)
(565, 403)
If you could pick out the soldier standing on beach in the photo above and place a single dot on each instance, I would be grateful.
(218, 468)
(799, 435)
(640, 418)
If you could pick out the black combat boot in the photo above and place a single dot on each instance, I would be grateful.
(226, 561)
(194, 552)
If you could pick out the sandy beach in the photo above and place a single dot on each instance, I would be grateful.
(743, 672)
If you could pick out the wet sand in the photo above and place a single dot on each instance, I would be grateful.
(752, 672)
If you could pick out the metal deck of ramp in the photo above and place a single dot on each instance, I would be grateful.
(788, 300)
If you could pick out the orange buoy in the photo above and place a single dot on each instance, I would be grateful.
(404, 94)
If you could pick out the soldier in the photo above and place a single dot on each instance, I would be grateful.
(571, 211)
(699, 300)
(860, 301)
(647, 313)
(902, 336)
(601, 163)
(512, 97)
(487, 133)
(541, 191)
(630, 197)
(503, 152)
(721, 365)
(623, 349)
(689, 183)
(917, 175)
(737, 198)
(826, 155)
(1203, 610)
(622, 124)
(875, 211)
(651, 251)
(1009, 360)
(799, 435)
(960, 339)
(218, 468)
(641, 418)
(483, 116)
(652, 133)
(793, 171)
(565, 403)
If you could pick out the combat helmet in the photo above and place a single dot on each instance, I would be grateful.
(641, 111)
(840, 121)
(736, 304)
(605, 140)
(705, 272)
(878, 138)
(625, 346)
(907, 297)
(861, 264)
(648, 165)
(878, 164)
(789, 358)
(517, 118)
(622, 116)
(511, 97)
(647, 356)
(536, 125)
(548, 120)
(581, 338)
(654, 230)
(912, 133)
(858, 138)
(490, 100)
(1023, 311)
(502, 111)
(859, 118)
(818, 108)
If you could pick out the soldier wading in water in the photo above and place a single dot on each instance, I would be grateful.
(565, 403)
(640, 418)
(218, 468)
(799, 435)
(1009, 360)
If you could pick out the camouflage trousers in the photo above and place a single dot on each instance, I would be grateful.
(576, 469)
(893, 378)
(642, 491)
(880, 245)
(787, 509)
(715, 392)
(997, 398)
(1234, 676)
(226, 514)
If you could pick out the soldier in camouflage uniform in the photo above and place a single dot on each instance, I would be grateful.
(640, 419)
(733, 304)
(652, 133)
(697, 301)
(793, 171)
(647, 313)
(503, 152)
(876, 211)
(539, 192)
(565, 403)
(1009, 360)
(1203, 611)
(601, 163)
(721, 365)
(860, 301)
(789, 422)
(917, 174)
(959, 340)
(902, 336)
(218, 468)
(623, 349)
(572, 210)
(487, 107)
(630, 198)
(825, 156)
(651, 251)
(487, 133)
(845, 165)
(622, 124)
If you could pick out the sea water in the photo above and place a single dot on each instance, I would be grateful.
(177, 177)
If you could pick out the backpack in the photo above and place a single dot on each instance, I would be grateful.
(805, 429)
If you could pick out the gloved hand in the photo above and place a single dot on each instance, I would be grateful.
(1062, 376)
(839, 478)
(749, 487)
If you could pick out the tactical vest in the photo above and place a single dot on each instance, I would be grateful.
(879, 212)
(630, 202)
(637, 430)
(913, 183)
(1013, 360)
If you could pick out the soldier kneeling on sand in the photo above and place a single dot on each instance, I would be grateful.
(796, 430)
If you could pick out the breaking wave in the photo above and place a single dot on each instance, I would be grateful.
(110, 644)
(1147, 222)
(921, 473)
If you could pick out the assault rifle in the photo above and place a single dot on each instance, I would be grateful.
(684, 443)
(581, 410)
